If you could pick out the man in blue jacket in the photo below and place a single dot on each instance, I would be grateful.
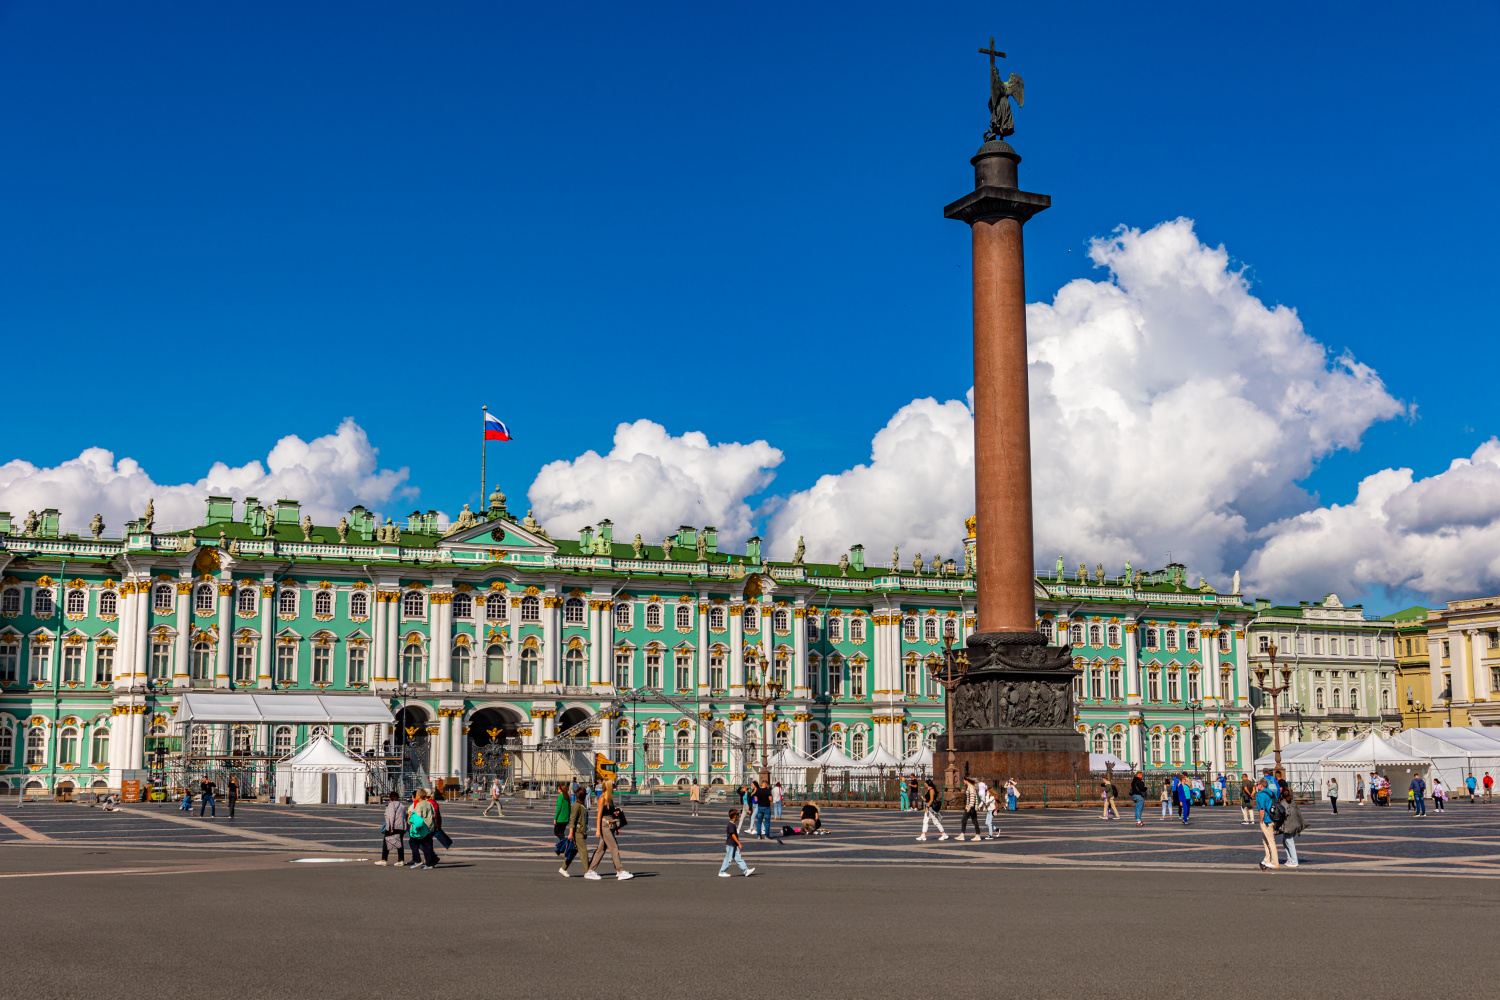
(1265, 799)
(1419, 788)
(1185, 797)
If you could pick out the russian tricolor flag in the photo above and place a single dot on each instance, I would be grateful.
(494, 428)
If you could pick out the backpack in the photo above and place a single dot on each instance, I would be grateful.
(1277, 812)
(416, 826)
(620, 819)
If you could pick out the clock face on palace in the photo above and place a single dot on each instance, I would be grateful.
(498, 534)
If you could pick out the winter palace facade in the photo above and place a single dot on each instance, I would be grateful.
(488, 629)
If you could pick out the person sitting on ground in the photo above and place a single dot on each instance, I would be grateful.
(811, 823)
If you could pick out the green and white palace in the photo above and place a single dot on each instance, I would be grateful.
(489, 630)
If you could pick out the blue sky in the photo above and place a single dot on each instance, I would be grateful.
(228, 223)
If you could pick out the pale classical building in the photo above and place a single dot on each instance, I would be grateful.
(1463, 654)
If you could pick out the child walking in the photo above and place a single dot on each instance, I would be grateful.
(732, 853)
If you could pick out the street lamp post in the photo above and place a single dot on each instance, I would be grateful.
(764, 693)
(949, 672)
(1274, 692)
(1193, 707)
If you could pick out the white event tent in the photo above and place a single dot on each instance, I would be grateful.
(303, 709)
(321, 772)
(1100, 761)
(1456, 752)
(1349, 762)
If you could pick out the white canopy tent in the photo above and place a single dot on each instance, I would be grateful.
(1299, 761)
(1100, 762)
(879, 758)
(304, 709)
(921, 761)
(1456, 752)
(833, 758)
(1350, 763)
(321, 772)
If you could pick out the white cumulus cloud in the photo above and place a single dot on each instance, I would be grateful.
(328, 475)
(652, 482)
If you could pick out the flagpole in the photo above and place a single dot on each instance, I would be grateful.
(484, 442)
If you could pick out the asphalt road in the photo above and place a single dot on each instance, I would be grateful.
(162, 923)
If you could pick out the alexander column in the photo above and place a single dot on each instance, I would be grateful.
(1013, 712)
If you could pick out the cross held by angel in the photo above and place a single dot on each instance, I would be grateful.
(1001, 92)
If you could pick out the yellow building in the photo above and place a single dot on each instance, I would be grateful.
(1413, 667)
(1463, 656)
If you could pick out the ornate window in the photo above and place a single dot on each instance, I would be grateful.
(41, 603)
(239, 741)
(653, 616)
(356, 662)
(684, 747)
(10, 601)
(322, 665)
(67, 746)
(1113, 632)
(202, 661)
(814, 740)
(1046, 628)
(909, 629)
(1156, 757)
(836, 676)
(622, 747)
(1117, 745)
(530, 674)
(1176, 743)
(716, 683)
(856, 680)
(463, 605)
(1153, 685)
(1174, 680)
(36, 746)
(810, 623)
(244, 663)
(245, 601)
(1224, 640)
(857, 745)
(109, 604)
(913, 742)
(781, 621)
(496, 608)
(10, 663)
(930, 630)
(752, 618)
(494, 664)
(413, 604)
(622, 668)
(161, 597)
(684, 615)
(653, 668)
(1317, 645)
(837, 738)
(1075, 634)
(684, 668)
(1096, 682)
(1153, 637)
(1096, 635)
(1196, 748)
(622, 616)
(161, 661)
(950, 628)
(909, 678)
(413, 664)
(286, 602)
(286, 663)
(1229, 748)
(359, 604)
(1171, 637)
(199, 741)
(1335, 701)
(104, 664)
(856, 630)
(1225, 694)
(781, 673)
(354, 739)
(204, 599)
(573, 611)
(281, 741)
(653, 747)
(460, 664)
(716, 617)
(1354, 699)
(718, 752)
(1192, 686)
(323, 604)
(1114, 683)
(1098, 741)
(1318, 699)
(1263, 643)
(99, 746)
(1192, 641)
(573, 668)
(72, 665)
(835, 629)
(77, 602)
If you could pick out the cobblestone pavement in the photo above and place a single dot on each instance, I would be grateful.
(1358, 840)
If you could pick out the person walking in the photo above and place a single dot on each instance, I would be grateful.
(931, 805)
(905, 797)
(989, 803)
(393, 832)
(1138, 795)
(1166, 799)
(1419, 795)
(1108, 792)
(232, 795)
(1489, 787)
(1012, 795)
(606, 822)
(576, 834)
(913, 793)
(1439, 797)
(1291, 825)
(695, 796)
(762, 811)
(1473, 785)
(494, 802)
(1333, 794)
(561, 810)
(971, 809)
(748, 802)
(206, 799)
(732, 853)
(1267, 810)
(1185, 798)
(1359, 789)
(421, 824)
(776, 800)
(1247, 799)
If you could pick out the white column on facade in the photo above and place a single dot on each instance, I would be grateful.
(703, 644)
(458, 757)
(441, 626)
(393, 635)
(180, 646)
(125, 645)
(594, 661)
(1458, 660)
(1481, 678)
(513, 649)
(378, 673)
(224, 657)
(267, 631)
(1132, 664)
(800, 616)
(442, 745)
(736, 652)
(551, 641)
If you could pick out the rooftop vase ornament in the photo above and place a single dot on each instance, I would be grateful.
(343, 530)
(638, 547)
(96, 527)
(307, 527)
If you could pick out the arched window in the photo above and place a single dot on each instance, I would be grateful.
(1224, 641)
(573, 611)
(99, 746)
(1385, 699)
(684, 747)
(10, 601)
(286, 663)
(36, 746)
(161, 660)
(239, 741)
(1228, 748)
(684, 617)
(413, 604)
(1117, 745)
(1153, 637)
(203, 661)
(356, 660)
(1197, 745)
(718, 751)
(244, 663)
(653, 747)
(1318, 699)
(930, 630)
(78, 602)
(531, 608)
(41, 603)
(781, 621)
(913, 742)
(1192, 641)
(573, 668)
(909, 629)
(1170, 635)
(463, 605)
(323, 603)
(494, 664)
(836, 629)
(67, 746)
(109, 604)
(1046, 628)
(1075, 634)
(856, 630)
(1114, 635)
(1156, 757)
(1096, 635)
(529, 671)
(810, 623)
(950, 628)
(1335, 701)
(837, 738)
(281, 741)
(354, 739)
(245, 601)
(203, 599)
(814, 740)
(413, 664)
(857, 745)
(653, 616)
(199, 744)
(716, 618)
(461, 664)
(1354, 699)
(622, 615)
(286, 602)
(496, 608)
(161, 597)
(1176, 749)
(752, 618)
(359, 604)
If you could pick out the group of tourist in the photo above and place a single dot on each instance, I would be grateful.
(420, 823)
(1276, 811)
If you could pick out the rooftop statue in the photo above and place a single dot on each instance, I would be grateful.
(466, 519)
(96, 526)
(1001, 92)
(702, 546)
(31, 523)
(1236, 582)
(895, 558)
(148, 519)
(306, 527)
(638, 547)
(343, 530)
(801, 551)
(1059, 569)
